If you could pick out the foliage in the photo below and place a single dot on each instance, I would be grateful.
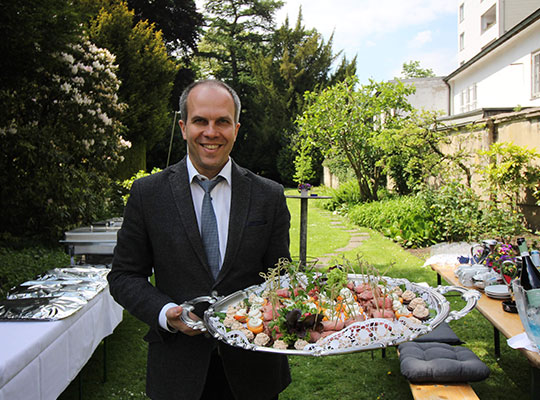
(236, 28)
(60, 141)
(412, 69)
(508, 172)
(348, 124)
(127, 183)
(21, 265)
(178, 20)
(27, 49)
(346, 195)
(455, 210)
(403, 219)
(412, 152)
(146, 72)
(302, 163)
(452, 213)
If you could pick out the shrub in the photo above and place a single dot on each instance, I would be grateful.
(452, 213)
(456, 211)
(404, 219)
(18, 266)
(346, 194)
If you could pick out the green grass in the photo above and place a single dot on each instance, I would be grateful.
(365, 375)
(322, 238)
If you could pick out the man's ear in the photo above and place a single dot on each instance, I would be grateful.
(236, 130)
(182, 128)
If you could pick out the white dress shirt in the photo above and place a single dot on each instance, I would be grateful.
(221, 200)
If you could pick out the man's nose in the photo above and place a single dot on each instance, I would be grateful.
(211, 129)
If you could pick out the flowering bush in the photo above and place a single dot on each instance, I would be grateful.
(61, 141)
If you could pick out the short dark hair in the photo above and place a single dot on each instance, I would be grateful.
(215, 82)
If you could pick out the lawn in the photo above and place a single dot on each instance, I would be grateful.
(365, 375)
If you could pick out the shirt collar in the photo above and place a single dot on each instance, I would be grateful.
(225, 172)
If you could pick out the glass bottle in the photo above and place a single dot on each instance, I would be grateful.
(530, 276)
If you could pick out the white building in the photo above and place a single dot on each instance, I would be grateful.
(499, 56)
(431, 94)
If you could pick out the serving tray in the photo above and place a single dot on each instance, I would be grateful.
(373, 333)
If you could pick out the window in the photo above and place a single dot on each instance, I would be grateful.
(535, 74)
(488, 19)
(461, 12)
(467, 99)
(462, 41)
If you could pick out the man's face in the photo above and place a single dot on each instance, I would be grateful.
(210, 130)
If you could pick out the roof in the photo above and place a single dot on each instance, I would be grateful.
(531, 19)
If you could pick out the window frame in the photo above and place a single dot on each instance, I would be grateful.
(535, 74)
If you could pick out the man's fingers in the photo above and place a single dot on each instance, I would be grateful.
(173, 319)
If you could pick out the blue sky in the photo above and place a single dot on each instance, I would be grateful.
(384, 33)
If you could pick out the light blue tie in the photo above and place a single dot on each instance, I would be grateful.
(209, 230)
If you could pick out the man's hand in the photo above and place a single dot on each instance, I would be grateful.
(174, 321)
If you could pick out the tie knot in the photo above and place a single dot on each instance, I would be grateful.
(207, 184)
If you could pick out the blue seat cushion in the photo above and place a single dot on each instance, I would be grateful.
(433, 362)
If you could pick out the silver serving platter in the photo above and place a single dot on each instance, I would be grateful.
(374, 333)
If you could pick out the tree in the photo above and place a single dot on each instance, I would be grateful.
(346, 124)
(236, 29)
(147, 75)
(412, 69)
(178, 20)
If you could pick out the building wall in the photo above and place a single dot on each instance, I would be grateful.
(520, 128)
(515, 11)
(506, 13)
(503, 77)
(470, 27)
(431, 94)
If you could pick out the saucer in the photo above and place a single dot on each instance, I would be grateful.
(497, 292)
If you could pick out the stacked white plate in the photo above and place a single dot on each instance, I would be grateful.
(499, 292)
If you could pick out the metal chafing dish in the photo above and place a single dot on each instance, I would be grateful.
(371, 334)
(97, 239)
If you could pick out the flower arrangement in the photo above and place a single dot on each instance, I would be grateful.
(304, 186)
(501, 253)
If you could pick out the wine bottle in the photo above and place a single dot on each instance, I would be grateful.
(530, 276)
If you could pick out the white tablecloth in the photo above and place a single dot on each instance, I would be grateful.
(39, 359)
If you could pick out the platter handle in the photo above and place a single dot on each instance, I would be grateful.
(189, 306)
(471, 296)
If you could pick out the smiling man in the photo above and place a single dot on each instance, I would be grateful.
(163, 233)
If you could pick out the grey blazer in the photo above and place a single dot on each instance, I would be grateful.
(160, 235)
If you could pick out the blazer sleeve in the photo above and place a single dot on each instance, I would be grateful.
(129, 278)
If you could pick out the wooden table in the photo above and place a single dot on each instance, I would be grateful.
(506, 323)
(303, 222)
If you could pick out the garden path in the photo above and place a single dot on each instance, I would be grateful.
(355, 240)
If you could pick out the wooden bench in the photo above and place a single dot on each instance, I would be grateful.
(442, 391)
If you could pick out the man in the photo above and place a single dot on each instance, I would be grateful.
(161, 234)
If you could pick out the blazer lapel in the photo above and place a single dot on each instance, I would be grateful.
(240, 200)
(181, 191)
